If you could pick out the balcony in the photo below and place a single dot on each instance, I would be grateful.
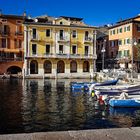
(35, 38)
(88, 39)
(8, 59)
(4, 33)
(19, 33)
(63, 39)
(62, 55)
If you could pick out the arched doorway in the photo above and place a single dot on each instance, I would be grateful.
(86, 66)
(73, 66)
(47, 67)
(14, 70)
(60, 67)
(33, 67)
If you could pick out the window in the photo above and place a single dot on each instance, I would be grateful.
(61, 22)
(111, 32)
(4, 20)
(34, 47)
(124, 42)
(47, 49)
(4, 42)
(127, 41)
(5, 29)
(126, 53)
(114, 32)
(138, 41)
(128, 28)
(60, 49)
(74, 49)
(20, 43)
(86, 50)
(19, 29)
(19, 22)
(98, 47)
(112, 54)
(120, 42)
(112, 43)
(74, 34)
(124, 29)
(138, 28)
(34, 33)
(16, 45)
(48, 32)
(120, 30)
(86, 35)
(120, 54)
(117, 31)
(61, 34)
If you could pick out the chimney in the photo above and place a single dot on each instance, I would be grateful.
(24, 14)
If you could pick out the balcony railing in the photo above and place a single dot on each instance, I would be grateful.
(63, 55)
(4, 33)
(6, 59)
(88, 39)
(63, 39)
(20, 33)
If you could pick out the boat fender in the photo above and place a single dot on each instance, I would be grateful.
(93, 93)
(97, 93)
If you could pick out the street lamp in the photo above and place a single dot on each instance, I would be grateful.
(103, 51)
(132, 59)
(94, 51)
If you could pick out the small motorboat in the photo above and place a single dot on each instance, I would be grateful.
(124, 100)
(85, 86)
(117, 89)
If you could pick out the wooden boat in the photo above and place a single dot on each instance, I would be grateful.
(130, 102)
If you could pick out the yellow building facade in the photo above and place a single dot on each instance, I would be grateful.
(125, 36)
(58, 48)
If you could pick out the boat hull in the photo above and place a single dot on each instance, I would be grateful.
(117, 90)
(124, 103)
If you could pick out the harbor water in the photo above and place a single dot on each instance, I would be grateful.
(49, 105)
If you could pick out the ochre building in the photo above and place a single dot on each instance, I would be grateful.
(59, 47)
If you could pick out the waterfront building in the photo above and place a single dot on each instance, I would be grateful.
(59, 47)
(124, 38)
(102, 44)
(11, 43)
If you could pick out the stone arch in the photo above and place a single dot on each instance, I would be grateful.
(33, 67)
(47, 66)
(60, 66)
(73, 66)
(86, 66)
(14, 70)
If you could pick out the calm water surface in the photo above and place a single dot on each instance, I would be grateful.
(49, 105)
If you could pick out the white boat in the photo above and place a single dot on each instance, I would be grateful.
(117, 89)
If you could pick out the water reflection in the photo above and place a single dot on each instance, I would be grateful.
(49, 105)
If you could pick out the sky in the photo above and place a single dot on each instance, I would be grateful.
(94, 12)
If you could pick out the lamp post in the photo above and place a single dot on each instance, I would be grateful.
(103, 51)
(134, 43)
(94, 51)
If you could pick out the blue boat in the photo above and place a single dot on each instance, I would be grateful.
(124, 102)
(85, 85)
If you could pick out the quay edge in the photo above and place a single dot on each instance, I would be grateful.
(97, 134)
